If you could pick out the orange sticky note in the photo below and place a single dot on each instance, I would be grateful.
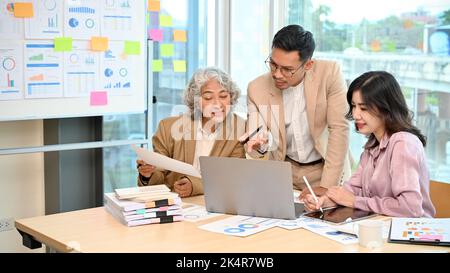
(179, 36)
(23, 10)
(154, 5)
(99, 43)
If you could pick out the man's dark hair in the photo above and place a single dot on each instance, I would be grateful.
(295, 38)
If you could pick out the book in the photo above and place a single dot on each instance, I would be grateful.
(125, 205)
(126, 193)
(153, 215)
(139, 222)
(143, 211)
(430, 231)
(153, 197)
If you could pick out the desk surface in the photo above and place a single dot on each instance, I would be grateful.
(94, 230)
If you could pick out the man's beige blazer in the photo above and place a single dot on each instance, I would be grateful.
(326, 106)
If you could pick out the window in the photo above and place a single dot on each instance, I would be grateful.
(167, 83)
(410, 41)
(250, 44)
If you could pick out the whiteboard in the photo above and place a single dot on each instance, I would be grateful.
(38, 81)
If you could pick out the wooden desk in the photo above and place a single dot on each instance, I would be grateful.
(94, 230)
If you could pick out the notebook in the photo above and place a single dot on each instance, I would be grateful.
(430, 231)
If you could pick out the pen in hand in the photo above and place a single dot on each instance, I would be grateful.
(312, 193)
(247, 139)
(250, 136)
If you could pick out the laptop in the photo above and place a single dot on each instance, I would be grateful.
(259, 188)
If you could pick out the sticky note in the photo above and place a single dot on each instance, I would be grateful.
(132, 47)
(165, 20)
(156, 35)
(167, 50)
(154, 19)
(99, 98)
(179, 36)
(99, 43)
(157, 65)
(23, 10)
(154, 5)
(179, 66)
(63, 44)
(147, 18)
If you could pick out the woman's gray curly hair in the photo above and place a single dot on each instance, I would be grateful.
(193, 90)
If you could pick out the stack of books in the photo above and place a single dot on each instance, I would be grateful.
(144, 205)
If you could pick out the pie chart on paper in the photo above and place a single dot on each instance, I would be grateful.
(73, 22)
(108, 72)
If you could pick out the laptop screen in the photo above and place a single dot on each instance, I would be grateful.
(248, 187)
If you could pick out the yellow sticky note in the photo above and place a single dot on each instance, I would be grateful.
(23, 10)
(179, 36)
(165, 21)
(154, 5)
(167, 50)
(179, 66)
(63, 44)
(99, 43)
(157, 65)
(132, 47)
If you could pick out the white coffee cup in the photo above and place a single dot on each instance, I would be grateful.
(370, 233)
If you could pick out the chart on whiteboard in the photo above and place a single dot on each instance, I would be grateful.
(11, 74)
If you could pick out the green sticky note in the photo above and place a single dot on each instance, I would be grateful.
(132, 47)
(179, 66)
(157, 65)
(167, 50)
(63, 44)
(165, 21)
(147, 18)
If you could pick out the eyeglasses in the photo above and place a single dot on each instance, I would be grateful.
(286, 72)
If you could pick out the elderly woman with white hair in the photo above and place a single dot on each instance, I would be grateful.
(209, 129)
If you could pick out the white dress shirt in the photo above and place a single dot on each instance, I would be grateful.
(203, 144)
(299, 143)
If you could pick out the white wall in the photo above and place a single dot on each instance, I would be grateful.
(21, 179)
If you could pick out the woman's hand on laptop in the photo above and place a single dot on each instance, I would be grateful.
(183, 187)
(144, 169)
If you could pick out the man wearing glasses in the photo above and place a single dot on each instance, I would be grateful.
(302, 104)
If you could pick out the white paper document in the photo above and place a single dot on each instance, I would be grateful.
(118, 73)
(47, 22)
(329, 231)
(165, 162)
(11, 70)
(195, 213)
(293, 224)
(241, 225)
(81, 70)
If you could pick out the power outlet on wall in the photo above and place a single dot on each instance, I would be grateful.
(6, 224)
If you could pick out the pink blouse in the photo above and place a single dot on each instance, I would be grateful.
(392, 178)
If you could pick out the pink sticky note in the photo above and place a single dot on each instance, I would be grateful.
(156, 35)
(99, 98)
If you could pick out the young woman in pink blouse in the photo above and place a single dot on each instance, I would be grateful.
(392, 177)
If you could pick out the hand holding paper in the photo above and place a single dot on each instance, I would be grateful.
(165, 162)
